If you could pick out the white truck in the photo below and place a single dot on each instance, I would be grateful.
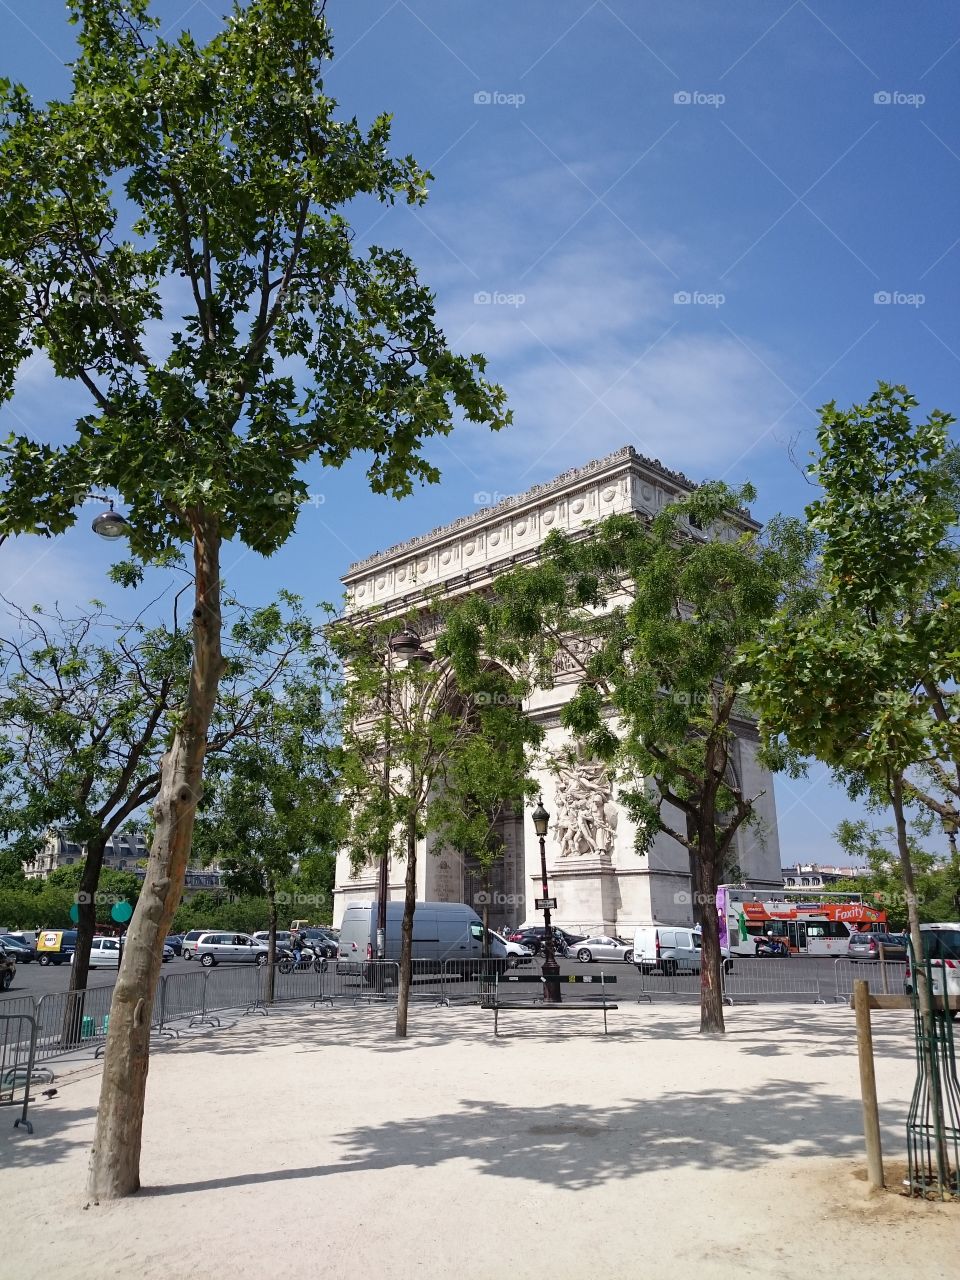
(442, 932)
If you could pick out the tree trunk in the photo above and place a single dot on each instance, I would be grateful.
(87, 914)
(711, 963)
(115, 1159)
(913, 915)
(271, 974)
(406, 931)
(924, 994)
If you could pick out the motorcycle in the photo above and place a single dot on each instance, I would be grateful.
(771, 947)
(308, 960)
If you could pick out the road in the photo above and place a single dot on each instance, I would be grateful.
(796, 976)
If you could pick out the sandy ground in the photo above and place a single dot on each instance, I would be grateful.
(315, 1139)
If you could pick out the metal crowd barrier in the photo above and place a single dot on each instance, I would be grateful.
(757, 978)
(71, 1020)
(749, 978)
(358, 981)
(885, 977)
(474, 981)
(230, 986)
(18, 1047)
(180, 996)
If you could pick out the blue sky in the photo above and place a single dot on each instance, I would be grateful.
(789, 169)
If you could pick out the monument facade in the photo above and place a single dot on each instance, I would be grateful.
(599, 880)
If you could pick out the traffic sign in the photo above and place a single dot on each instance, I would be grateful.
(550, 903)
(121, 912)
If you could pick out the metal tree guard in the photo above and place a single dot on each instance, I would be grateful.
(933, 1121)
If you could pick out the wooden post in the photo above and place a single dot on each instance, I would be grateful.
(868, 1084)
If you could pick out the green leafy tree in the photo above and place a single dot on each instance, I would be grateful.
(206, 181)
(863, 677)
(654, 619)
(428, 745)
(88, 705)
(85, 702)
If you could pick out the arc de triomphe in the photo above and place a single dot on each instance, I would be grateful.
(599, 881)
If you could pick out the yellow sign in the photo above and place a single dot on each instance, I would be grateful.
(50, 941)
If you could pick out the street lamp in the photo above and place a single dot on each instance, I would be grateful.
(551, 970)
(109, 524)
(406, 645)
(950, 826)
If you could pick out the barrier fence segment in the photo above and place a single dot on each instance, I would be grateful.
(230, 986)
(756, 978)
(426, 982)
(179, 998)
(355, 981)
(472, 981)
(71, 1020)
(885, 977)
(18, 1047)
(302, 983)
(678, 984)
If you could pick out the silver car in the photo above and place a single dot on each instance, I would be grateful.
(603, 947)
(228, 948)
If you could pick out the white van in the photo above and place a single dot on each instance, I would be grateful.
(941, 945)
(670, 948)
(441, 931)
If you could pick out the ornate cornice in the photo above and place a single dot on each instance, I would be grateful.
(537, 492)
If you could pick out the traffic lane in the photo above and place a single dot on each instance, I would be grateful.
(39, 980)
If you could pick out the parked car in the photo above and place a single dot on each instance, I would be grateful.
(532, 936)
(941, 946)
(189, 944)
(228, 948)
(104, 953)
(321, 943)
(175, 943)
(22, 951)
(603, 947)
(8, 967)
(671, 949)
(516, 953)
(56, 946)
(866, 946)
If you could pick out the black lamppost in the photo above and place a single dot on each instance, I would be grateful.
(404, 644)
(950, 826)
(551, 970)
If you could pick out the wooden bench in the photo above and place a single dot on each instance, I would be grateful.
(587, 1004)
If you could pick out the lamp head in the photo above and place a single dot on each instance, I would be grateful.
(111, 524)
(541, 819)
